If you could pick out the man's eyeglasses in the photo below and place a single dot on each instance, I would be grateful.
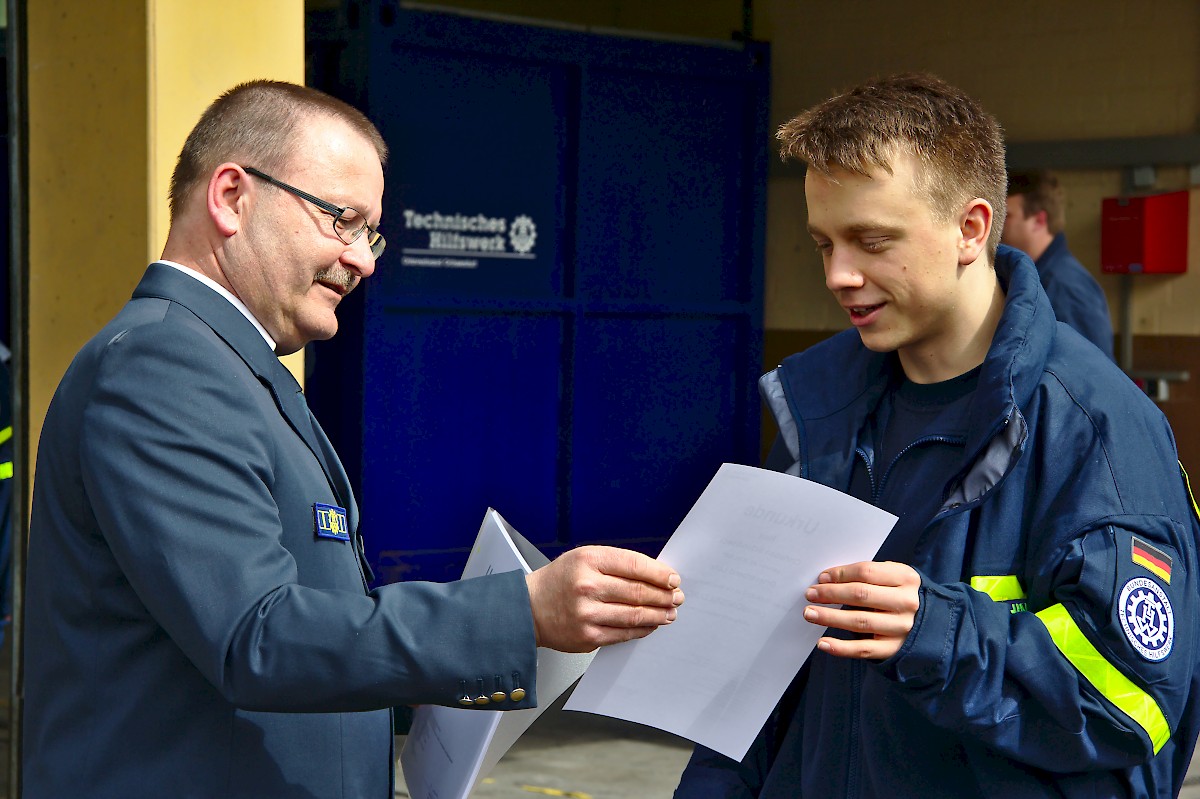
(348, 223)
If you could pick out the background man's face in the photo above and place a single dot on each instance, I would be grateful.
(1018, 228)
(889, 261)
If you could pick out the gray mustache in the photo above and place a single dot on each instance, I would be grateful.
(340, 277)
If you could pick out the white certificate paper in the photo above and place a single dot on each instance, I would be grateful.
(746, 552)
(449, 750)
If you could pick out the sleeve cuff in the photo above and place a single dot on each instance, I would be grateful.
(922, 658)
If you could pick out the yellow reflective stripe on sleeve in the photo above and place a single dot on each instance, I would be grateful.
(1112, 684)
(1003, 588)
(1188, 485)
(6, 434)
(6, 471)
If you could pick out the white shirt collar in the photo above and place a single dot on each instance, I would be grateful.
(234, 301)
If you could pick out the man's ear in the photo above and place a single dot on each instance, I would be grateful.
(1043, 219)
(974, 226)
(226, 198)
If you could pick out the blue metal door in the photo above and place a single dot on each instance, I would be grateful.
(567, 324)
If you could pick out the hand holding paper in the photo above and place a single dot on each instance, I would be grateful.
(885, 598)
(450, 749)
(751, 548)
(595, 596)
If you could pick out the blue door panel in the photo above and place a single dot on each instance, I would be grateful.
(463, 411)
(652, 422)
(661, 160)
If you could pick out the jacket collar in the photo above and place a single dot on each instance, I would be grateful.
(840, 382)
(218, 313)
(238, 332)
(1057, 245)
(1015, 361)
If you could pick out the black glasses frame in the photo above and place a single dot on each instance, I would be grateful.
(374, 238)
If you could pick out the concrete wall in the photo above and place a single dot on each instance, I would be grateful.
(1048, 71)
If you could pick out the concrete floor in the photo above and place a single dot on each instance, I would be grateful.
(581, 756)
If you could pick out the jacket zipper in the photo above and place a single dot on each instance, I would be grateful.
(852, 787)
(856, 668)
(877, 491)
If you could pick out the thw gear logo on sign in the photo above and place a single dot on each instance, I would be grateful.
(1147, 618)
(522, 234)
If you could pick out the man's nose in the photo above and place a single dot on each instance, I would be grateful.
(357, 257)
(841, 271)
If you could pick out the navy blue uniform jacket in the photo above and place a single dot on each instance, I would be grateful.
(1075, 295)
(189, 635)
(1055, 649)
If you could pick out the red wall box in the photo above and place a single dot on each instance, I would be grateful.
(1147, 235)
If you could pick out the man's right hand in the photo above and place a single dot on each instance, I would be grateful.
(595, 596)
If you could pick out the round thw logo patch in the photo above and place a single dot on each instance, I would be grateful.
(1147, 618)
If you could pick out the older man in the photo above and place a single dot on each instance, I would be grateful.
(200, 621)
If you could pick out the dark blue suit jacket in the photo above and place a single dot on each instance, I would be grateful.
(189, 634)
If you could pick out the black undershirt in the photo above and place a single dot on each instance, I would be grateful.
(914, 446)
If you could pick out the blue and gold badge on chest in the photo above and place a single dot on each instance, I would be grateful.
(330, 521)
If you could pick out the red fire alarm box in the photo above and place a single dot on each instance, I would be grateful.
(1144, 234)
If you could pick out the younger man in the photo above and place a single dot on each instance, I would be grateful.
(1029, 627)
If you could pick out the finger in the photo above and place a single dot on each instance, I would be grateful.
(629, 592)
(864, 649)
(632, 565)
(618, 635)
(860, 621)
(608, 614)
(864, 595)
(886, 573)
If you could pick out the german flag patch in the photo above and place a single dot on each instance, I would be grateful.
(1155, 560)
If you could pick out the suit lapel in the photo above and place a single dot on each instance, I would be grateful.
(336, 472)
(226, 321)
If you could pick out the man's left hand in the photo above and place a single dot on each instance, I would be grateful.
(881, 599)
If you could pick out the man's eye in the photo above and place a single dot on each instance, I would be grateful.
(874, 245)
(350, 221)
(824, 247)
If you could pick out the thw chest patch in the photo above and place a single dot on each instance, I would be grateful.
(1147, 618)
(330, 521)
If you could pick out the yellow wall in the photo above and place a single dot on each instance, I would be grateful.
(1065, 70)
(114, 87)
(88, 176)
(195, 53)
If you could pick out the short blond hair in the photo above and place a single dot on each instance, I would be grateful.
(959, 146)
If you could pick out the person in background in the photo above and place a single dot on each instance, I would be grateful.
(1029, 627)
(6, 483)
(1034, 224)
(199, 616)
